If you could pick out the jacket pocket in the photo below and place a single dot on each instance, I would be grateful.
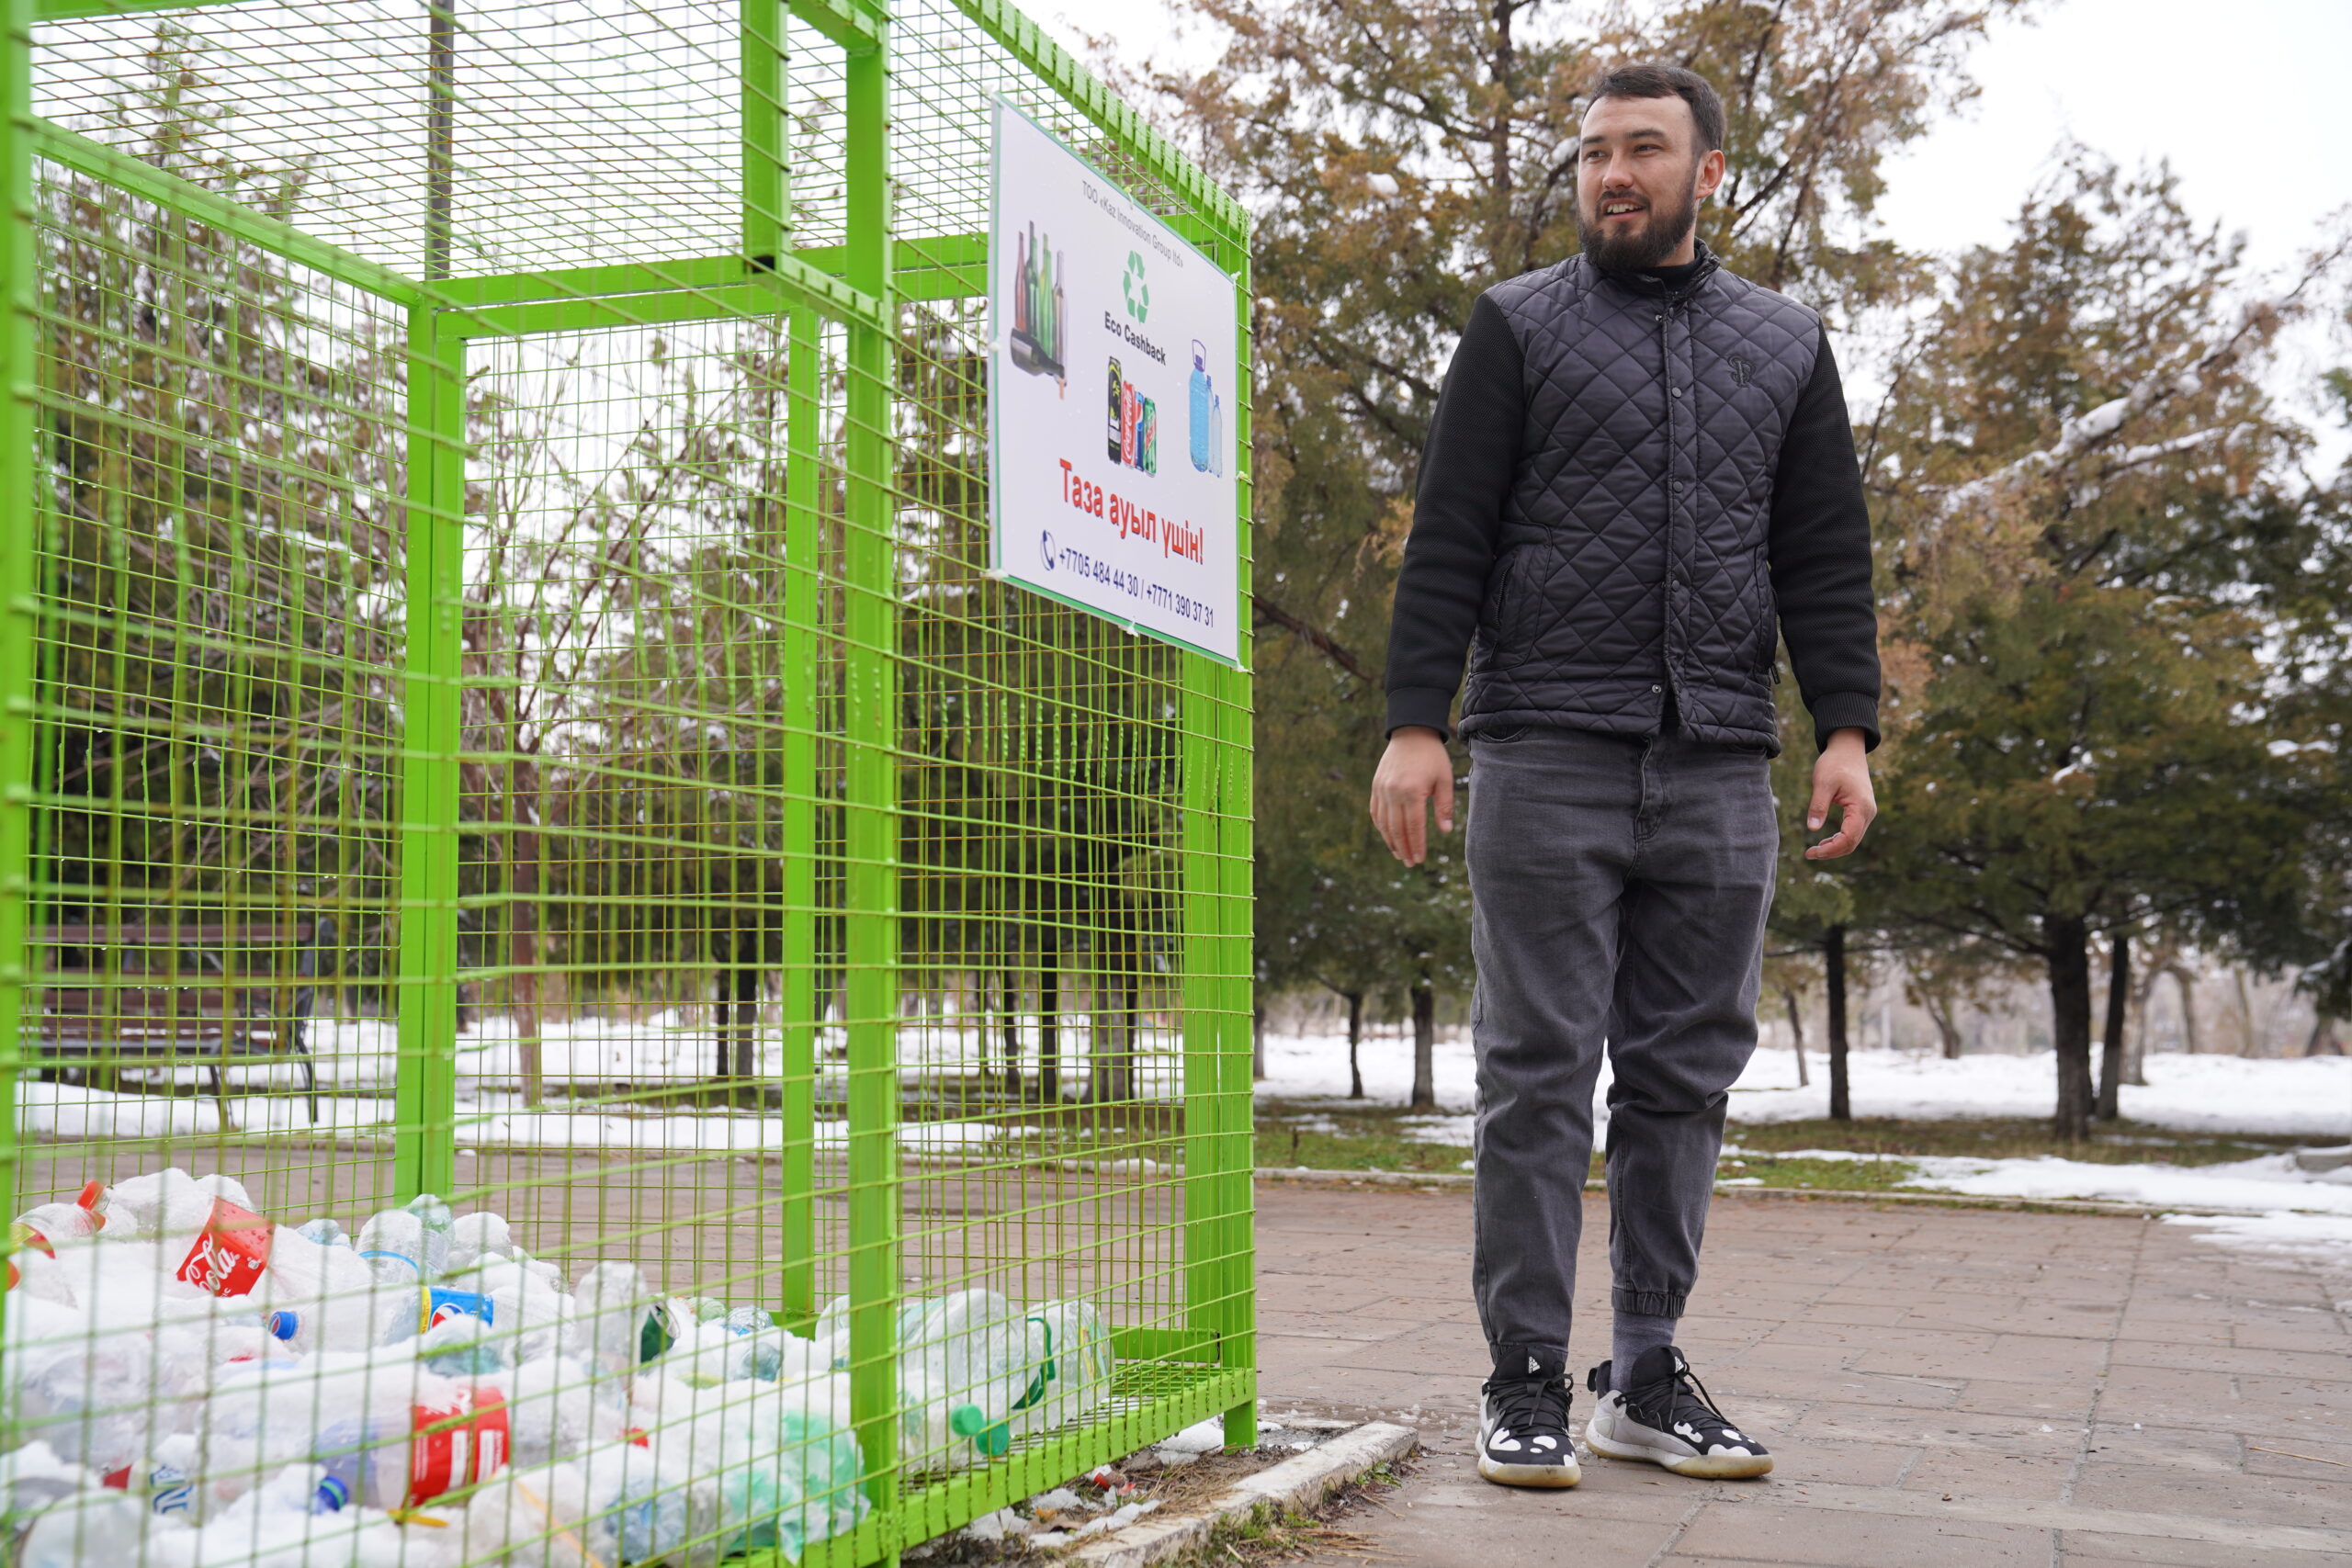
(1505, 598)
(1764, 636)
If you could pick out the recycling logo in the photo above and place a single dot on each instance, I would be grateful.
(1137, 291)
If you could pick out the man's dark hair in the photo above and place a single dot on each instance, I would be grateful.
(1668, 82)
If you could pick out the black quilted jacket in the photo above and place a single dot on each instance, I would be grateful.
(1627, 483)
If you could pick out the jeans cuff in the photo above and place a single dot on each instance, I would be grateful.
(1647, 1303)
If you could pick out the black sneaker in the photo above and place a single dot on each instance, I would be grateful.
(1668, 1419)
(1524, 1429)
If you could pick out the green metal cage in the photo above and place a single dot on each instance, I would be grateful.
(502, 697)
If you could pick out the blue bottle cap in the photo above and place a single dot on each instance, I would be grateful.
(285, 1325)
(331, 1496)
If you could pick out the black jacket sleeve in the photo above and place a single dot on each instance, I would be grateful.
(1819, 549)
(1467, 468)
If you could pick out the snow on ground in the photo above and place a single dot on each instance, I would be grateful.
(2324, 1239)
(2281, 1209)
(2199, 1094)
(2256, 1186)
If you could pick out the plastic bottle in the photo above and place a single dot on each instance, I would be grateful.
(88, 1393)
(527, 1301)
(473, 1237)
(402, 1460)
(226, 1244)
(783, 1465)
(327, 1297)
(1077, 1371)
(966, 1364)
(325, 1233)
(556, 1407)
(610, 1311)
(103, 1527)
(401, 1249)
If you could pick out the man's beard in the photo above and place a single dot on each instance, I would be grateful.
(1647, 247)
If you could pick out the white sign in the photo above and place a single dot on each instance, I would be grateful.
(1110, 410)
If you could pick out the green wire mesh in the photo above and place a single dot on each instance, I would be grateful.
(515, 710)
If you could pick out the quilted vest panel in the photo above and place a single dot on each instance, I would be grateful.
(1633, 549)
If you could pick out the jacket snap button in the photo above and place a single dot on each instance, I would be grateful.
(1655, 689)
(1678, 391)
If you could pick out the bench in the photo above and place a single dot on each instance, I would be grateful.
(217, 996)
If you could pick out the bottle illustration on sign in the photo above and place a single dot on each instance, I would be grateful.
(1208, 412)
(1038, 307)
(1118, 410)
(1132, 436)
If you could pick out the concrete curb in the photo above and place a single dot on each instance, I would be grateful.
(1300, 1482)
(1460, 1181)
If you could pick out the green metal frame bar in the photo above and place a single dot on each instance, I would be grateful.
(424, 1092)
(77, 10)
(767, 190)
(1028, 43)
(19, 567)
(803, 606)
(856, 24)
(144, 180)
(871, 873)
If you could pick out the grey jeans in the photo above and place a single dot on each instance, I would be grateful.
(1619, 888)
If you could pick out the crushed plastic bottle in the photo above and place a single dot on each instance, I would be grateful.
(1076, 1374)
(611, 1306)
(322, 1297)
(400, 1248)
(222, 1244)
(783, 1468)
(965, 1369)
(41, 1229)
(104, 1527)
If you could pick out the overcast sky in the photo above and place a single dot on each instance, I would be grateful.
(2243, 97)
(2135, 79)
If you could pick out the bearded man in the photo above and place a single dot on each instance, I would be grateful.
(1640, 471)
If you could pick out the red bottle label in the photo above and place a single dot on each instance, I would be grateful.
(229, 1253)
(455, 1447)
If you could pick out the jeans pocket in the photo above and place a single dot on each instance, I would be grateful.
(1502, 737)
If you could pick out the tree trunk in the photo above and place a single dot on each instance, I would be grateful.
(2110, 1055)
(1355, 1040)
(523, 929)
(1049, 1026)
(1833, 953)
(1939, 1011)
(2135, 1027)
(1796, 1032)
(1258, 1041)
(1424, 1045)
(1113, 1075)
(1011, 1028)
(2187, 1006)
(2066, 953)
(738, 1007)
(2323, 1041)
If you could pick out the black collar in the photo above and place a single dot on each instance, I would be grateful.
(1702, 266)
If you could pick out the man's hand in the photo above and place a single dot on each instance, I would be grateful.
(1841, 777)
(1415, 768)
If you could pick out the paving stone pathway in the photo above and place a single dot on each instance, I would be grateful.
(1940, 1387)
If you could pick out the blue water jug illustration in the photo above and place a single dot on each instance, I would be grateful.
(1203, 404)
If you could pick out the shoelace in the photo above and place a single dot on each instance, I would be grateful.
(1529, 1405)
(1685, 1384)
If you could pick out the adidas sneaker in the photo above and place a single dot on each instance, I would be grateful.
(1665, 1417)
(1523, 1429)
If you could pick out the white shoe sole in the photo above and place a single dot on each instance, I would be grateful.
(1704, 1467)
(1555, 1477)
